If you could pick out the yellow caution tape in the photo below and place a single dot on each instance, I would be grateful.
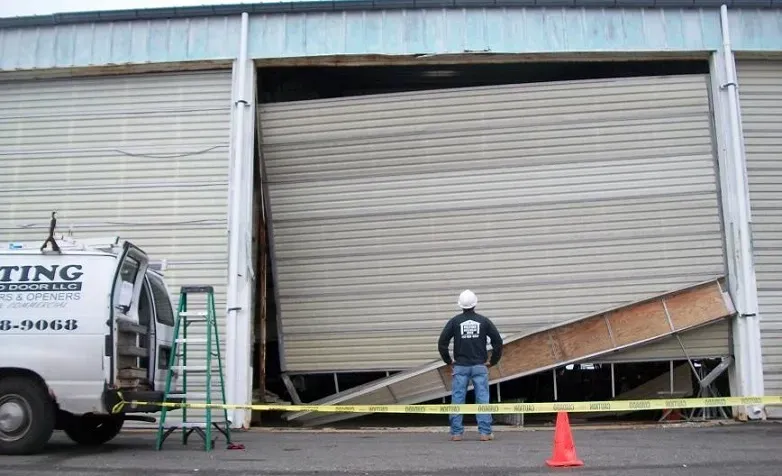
(493, 408)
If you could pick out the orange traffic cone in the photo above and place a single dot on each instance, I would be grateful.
(673, 415)
(564, 449)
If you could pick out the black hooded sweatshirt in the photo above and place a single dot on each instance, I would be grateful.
(469, 331)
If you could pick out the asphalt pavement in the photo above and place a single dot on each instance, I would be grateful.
(748, 449)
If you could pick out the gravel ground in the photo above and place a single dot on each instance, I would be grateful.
(747, 449)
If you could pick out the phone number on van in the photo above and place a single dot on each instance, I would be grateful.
(40, 325)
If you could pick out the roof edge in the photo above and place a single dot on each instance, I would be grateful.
(316, 6)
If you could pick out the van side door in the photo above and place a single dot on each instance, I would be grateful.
(164, 321)
(129, 276)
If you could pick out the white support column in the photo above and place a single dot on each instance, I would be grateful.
(747, 374)
(241, 278)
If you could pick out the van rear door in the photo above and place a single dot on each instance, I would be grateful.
(125, 372)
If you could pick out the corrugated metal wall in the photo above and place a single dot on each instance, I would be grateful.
(549, 200)
(760, 89)
(144, 157)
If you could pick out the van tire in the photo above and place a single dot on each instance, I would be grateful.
(92, 430)
(31, 398)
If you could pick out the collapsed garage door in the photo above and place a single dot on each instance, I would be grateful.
(760, 87)
(144, 157)
(549, 200)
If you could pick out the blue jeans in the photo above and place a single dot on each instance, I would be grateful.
(462, 375)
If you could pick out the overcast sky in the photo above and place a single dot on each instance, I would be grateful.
(12, 8)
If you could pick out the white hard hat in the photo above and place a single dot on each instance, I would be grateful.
(467, 299)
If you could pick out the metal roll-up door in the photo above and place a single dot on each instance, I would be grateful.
(760, 94)
(144, 157)
(549, 200)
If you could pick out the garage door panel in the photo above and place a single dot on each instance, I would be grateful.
(494, 145)
(488, 264)
(487, 245)
(395, 284)
(516, 182)
(761, 108)
(490, 231)
(545, 213)
(540, 100)
(605, 195)
(435, 146)
(586, 253)
(501, 296)
(464, 162)
(405, 199)
(405, 128)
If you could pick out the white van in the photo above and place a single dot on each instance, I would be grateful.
(76, 327)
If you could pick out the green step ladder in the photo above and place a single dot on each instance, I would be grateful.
(184, 320)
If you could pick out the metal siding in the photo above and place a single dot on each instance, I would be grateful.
(760, 87)
(514, 30)
(755, 29)
(143, 157)
(550, 200)
(119, 42)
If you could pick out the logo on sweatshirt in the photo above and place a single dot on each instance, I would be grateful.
(470, 329)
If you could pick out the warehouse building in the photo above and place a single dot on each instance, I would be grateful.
(340, 171)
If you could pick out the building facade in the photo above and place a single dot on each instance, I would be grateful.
(557, 160)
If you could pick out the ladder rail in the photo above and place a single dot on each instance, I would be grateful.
(210, 304)
(220, 364)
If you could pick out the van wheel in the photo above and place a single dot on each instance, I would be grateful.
(26, 416)
(90, 430)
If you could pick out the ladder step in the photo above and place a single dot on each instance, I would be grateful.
(131, 327)
(132, 350)
(197, 290)
(192, 314)
(132, 373)
(191, 340)
(191, 368)
(193, 424)
(191, 395)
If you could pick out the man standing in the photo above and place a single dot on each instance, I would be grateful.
(469, 331)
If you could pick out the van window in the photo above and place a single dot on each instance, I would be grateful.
(145, 319)
(127, 274)
(129, 270)
(144, 307)
(165, 315)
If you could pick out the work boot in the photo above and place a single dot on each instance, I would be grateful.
(456, 437)
(488, 437)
